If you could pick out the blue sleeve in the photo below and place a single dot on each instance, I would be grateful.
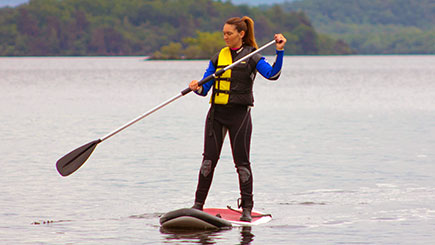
(206, 87)
(271, 72)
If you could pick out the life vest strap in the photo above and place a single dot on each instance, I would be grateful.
(233, 91)
(218, 91)
(223, 79)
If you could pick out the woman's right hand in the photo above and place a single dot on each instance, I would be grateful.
(193, 85)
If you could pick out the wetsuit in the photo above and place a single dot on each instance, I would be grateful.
(234, 117)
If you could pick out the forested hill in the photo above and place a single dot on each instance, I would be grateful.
(375, 26)
(189, 28)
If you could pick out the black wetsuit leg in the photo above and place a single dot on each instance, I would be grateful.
(213, 139)
(240, 130)
(237, 119)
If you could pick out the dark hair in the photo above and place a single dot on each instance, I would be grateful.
(245, 24)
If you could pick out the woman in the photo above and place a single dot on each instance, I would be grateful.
(231, 100)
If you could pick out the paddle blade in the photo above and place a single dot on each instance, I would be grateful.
(72, 161)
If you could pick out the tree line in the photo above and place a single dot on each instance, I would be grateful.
(375, 26)
(162, 28)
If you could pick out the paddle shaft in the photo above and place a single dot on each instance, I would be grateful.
(184, 92)
(72, 161)
(158, 107)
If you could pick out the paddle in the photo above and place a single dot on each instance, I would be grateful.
(72, 161)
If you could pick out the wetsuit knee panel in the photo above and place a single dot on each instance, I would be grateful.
(206, 167)
(244, 173)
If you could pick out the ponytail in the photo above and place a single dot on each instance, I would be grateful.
(245, 24)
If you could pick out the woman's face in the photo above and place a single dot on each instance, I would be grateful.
(232, 37)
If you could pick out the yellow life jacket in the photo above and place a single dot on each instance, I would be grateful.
(223, 83)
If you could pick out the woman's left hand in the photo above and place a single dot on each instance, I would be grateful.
(193, 85)
(280, 41)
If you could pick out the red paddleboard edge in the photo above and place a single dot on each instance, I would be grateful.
(233, 216)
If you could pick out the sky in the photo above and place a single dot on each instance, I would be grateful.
(11, 3)
(14, 3)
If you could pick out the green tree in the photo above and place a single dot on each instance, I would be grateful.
(207, 43)
(171, 51)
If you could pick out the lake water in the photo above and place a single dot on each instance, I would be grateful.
(343, 151)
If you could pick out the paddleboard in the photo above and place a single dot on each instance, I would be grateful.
(210, 218)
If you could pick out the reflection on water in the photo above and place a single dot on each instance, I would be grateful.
(193, 236)
(206, 236)
(246, 236)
